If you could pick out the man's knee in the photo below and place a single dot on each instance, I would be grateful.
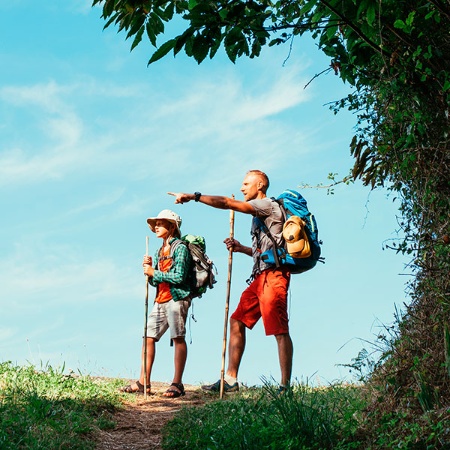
(236, 324)
(283, 337)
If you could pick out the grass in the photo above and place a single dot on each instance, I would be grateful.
(45, 409)
(302, 418)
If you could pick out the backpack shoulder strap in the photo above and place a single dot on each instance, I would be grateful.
(175, 243)
(265, 229)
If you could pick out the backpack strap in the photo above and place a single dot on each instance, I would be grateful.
(263, 227)
(175, 243)
(266, 230)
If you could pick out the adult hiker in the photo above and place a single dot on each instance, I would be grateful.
(266, 295)
(169, 275)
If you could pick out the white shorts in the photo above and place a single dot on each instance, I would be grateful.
(171, 315)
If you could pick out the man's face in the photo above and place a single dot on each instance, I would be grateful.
(250, 186)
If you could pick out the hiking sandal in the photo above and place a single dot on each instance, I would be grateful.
(130, 389)
(175, 393)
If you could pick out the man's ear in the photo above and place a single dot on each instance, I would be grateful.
(260, 185)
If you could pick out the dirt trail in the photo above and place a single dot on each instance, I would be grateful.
(139, 424)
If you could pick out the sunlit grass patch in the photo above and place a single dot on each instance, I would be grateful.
(44, 409)
(303, 417)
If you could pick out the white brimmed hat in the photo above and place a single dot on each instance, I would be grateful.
(165, 214)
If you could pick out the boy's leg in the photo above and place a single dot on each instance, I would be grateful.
(151, 351)
(180, 356)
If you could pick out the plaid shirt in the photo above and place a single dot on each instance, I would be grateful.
(177, 274)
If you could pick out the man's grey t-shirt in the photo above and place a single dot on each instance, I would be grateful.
(269, 212)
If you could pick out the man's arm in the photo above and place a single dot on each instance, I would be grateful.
(235, 246)
(216, 201)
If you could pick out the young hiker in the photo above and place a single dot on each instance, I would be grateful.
(169, 276)
(266, 296)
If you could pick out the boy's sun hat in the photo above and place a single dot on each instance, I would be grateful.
(165, 214)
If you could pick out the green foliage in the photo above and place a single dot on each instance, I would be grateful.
(47, 409)
(301, 418)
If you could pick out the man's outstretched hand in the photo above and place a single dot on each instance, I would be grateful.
(181, 197)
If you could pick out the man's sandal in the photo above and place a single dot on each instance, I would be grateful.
(174, 393)
(136, 388)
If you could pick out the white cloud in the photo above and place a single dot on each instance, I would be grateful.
(36, 277)
(17, 167)
(108, 199)
(223, 120)
(47, 96)
(80, 6)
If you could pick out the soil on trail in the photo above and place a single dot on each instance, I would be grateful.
(139, 423)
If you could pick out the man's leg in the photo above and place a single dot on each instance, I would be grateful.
(285, 354)
(236, 347)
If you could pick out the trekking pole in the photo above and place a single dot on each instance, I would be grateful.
(145, 325)
(227, 303)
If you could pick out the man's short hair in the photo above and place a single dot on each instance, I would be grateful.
(264, 178)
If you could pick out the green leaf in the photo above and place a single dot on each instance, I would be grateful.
(108, 7)
(138, 38)
(167, 14)
(371, 14)
(307, 7)
(410, 19)
(162, 51)
(151, 34)
(200, 48)
(256, 49)
(137, 25)
(399, 24)
(215, 47)
(157, 23)
(114, 17)
(182, 40)
(331, 32)
(188, 46)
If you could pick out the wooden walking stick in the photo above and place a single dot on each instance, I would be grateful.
(227, 303)
(145, 324)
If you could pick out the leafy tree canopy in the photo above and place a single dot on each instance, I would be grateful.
(385, 49)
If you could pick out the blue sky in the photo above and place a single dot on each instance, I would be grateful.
(92, 140)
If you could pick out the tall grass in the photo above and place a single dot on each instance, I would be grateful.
(300, 418)
(45, 409)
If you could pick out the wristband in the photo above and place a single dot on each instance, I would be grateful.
(197, 196)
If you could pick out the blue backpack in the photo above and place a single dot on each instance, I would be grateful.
(292, 203)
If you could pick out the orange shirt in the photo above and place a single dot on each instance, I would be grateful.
(163, 294)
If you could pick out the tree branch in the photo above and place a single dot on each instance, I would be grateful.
(372, 44)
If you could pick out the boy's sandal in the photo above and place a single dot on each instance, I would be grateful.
(174, 393)
(139, 389)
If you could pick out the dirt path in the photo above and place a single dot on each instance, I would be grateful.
(139, 424)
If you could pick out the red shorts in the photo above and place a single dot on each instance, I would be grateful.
(266, 297)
